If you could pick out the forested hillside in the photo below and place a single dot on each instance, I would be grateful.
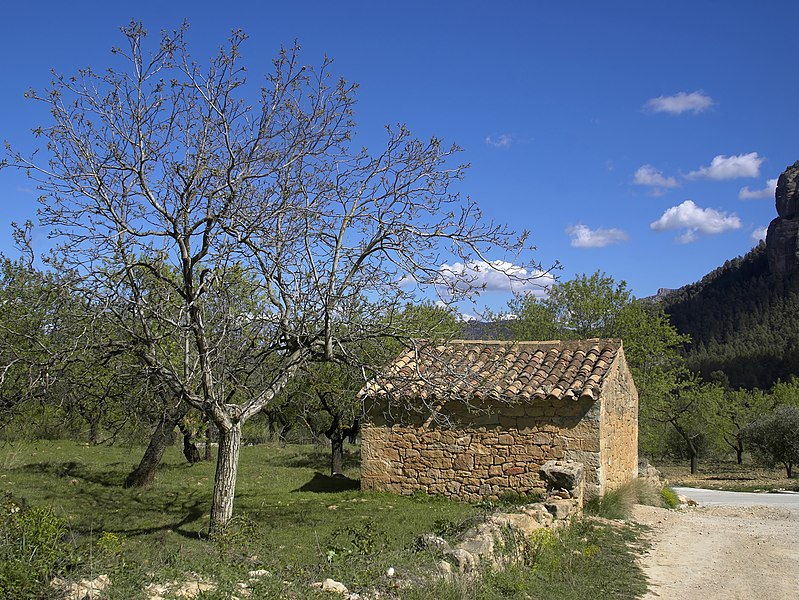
(742, 320)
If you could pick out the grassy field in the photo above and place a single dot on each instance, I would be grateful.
(291, 520)
(728, 475)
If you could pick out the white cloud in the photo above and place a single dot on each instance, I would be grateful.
(649, 175)
(584, 237)
(695, 102)
(695, 220)
(496, 276)
(504, 140)
(766, 192)
(759, 234)
(730, 167)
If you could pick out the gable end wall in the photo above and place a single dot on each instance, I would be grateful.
(619, 427)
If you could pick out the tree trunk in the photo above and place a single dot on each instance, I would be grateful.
(788, 469)
(739, 452)
(144, 474)
(693, 453)
(227, 464)
(336, 453)
(94, 431)
(190, 450)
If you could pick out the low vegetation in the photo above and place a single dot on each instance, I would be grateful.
(727, 474)
(293, 522)
(618, 503)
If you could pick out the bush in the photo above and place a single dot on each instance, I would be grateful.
(32, 545)
(669, 497)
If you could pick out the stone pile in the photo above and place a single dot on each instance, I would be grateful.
(500, 538)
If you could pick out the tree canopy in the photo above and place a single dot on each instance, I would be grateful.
(236, 235)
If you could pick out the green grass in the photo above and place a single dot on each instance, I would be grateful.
(289, 516)
(291, 519)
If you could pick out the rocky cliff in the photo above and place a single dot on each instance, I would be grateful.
(782, 239)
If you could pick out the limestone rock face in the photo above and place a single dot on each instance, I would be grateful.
(782, 238)
(788, 192)
(782, 246)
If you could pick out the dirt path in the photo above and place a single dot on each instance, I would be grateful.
(729, 552)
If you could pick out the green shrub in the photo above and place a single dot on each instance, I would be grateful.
(669, 498)
(33, 543)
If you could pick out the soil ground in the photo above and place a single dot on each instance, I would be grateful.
(715, 552)
(728, 475)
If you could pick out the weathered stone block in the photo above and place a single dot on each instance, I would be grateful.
(463, 462)
(562, 475)
(506, 439)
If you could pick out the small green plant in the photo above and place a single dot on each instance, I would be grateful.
(110, 544)
(361, 540)
(234, 537)
(669, 498)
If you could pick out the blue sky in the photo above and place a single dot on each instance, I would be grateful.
(636, 138)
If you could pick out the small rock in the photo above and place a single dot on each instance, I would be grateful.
(465, 562)
(259, 573)
(390, 572)
(331, 585)
(85, 589)
(430, 541)
(444, 568)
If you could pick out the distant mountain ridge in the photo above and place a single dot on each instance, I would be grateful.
(742, 317)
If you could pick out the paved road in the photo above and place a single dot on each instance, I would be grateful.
(717, 498)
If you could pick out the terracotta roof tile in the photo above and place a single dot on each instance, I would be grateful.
(499, 370)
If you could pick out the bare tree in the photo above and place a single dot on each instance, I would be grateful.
(275, 242)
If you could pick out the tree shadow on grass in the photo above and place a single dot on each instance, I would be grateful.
(77, 470)
(327, 483)
(103, 498)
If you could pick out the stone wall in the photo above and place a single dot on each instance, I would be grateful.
(501, 447)
(483, 456)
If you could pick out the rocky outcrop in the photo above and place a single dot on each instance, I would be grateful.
(782, 239)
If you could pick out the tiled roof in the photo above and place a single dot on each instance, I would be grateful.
(509, 371)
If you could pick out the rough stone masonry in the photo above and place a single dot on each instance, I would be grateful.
(570, 401)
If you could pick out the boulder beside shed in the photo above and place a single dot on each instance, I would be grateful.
(477, 419)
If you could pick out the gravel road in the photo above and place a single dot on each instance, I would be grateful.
(733, 546)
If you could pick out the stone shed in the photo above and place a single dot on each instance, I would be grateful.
(475, 419)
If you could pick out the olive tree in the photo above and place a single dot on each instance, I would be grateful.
(774, 438)
(159, 164)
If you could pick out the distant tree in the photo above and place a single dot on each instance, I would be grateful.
(530, 318)
(326, 394)
(597, 306)
(774, 439)
(687, 408)
(786, 393)
(159, 168)
(588, 305)
(34, 326)
(734, 410)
